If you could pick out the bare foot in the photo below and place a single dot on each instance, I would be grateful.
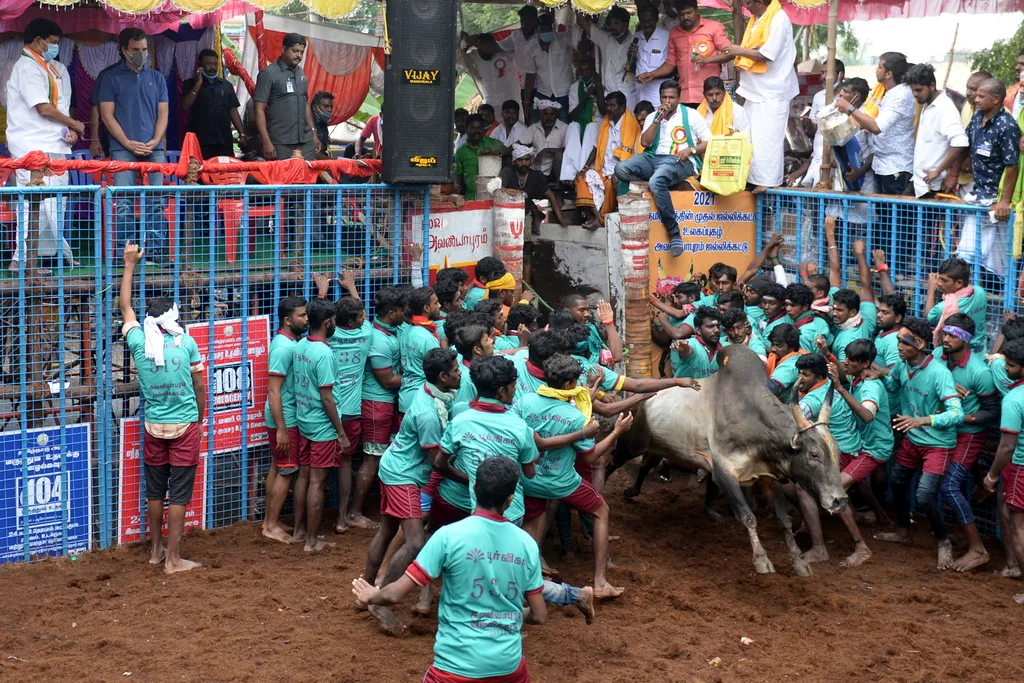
(277, 534)
(158, 555)
(758, 189)
(299, 536)
(361, 522)
(945, 560)
(387, 620)
(585, 603)
(900, 536)
(340, 528)
(316, 544)
(1019, 598)
(971, 560)
(179, 566)
(421, 608)
(1009, 572)
(815, 555)
(860, 555)
(606, 591)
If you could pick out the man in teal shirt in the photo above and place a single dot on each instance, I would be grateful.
(855, 315)
(488, 567)
(321, 434)
(282, 423)
(929, 414)
(420, 337)
(773, 304)
(449, 298)
(798, 306)
(405, 469)
(696, 357)
(471, 342)
(892, 308)
(785, 351)
(958, 296)
(467, 157)
(170, 372)
(488, 268)
(738, 330)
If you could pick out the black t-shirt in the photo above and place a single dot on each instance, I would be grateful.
(535, 187)
(211, 113)
(323, 133)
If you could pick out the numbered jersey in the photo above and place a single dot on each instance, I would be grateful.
(167, 389)
(350, 349)
(315, 368)
(488, 567)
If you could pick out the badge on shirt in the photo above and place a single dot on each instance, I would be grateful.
(290, 87)
(984, 149)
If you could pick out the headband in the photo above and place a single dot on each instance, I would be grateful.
(958, 332)
(520, 151)
(910, 339)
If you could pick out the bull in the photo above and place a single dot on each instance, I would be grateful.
(735, 429)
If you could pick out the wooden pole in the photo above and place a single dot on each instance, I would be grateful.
(807, 43)
(830, 88)
(949, 64)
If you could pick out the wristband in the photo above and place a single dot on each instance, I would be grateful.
(882, 268)
(990, 480)
(524, 301)
(600, 394)
(608, 322)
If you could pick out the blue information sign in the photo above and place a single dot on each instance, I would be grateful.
(50, 498)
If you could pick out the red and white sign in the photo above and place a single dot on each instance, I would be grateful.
(458, 237)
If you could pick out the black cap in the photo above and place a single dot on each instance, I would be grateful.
(527, 11)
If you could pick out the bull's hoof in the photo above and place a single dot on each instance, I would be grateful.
(715, 516)
(631, 492)
(763, 565)
(801, 568)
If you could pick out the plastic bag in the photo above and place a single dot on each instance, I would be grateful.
(727, 163)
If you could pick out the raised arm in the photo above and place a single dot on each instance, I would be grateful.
(835, 271)
(132, 255)
(878, 255)
(867, 291)
(604, 312)
(758, 261)
(622, 425)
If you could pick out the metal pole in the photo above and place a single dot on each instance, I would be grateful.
(830, 87)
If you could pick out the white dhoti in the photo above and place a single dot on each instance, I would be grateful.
(983, 242)
(576, 153)
(52, 219)
(768, 121)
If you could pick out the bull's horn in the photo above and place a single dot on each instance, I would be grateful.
(802, 422)
(795, 442)
(826, 406)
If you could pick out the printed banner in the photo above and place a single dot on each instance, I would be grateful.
(713, 229)
(50, 497)
(458, 237)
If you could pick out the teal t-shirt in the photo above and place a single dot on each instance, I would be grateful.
(708, 300)
(923, 391)
(440, 326)
(473, 296)
(315, 367)
(170, 398)
(888, 355)
(467, 390)
(753, 343)
(525, 382)
(612, 381)
(785, 372)
(876, 435)
(755, 315)
(768, 325)
(973, 306)
(413, 345)
(973, 374)
(844, 425)
(866, 330)
(700, 364)
(556, 470)
(999, 376)
(405, 461)
(1012, 419)
(505, 342)
(487, 568)
(484, 431)
(382, 354)
(811, 327)
(813, 400)
(350, 348)
(279, 364)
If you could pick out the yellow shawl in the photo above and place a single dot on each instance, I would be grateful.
(721, 123)
(629, 132)
(756, 36)
(504, 282)
(579, 394)
(874, 101)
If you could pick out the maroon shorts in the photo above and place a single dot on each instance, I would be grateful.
(435, 480)
(967, 448)
(379, 423)
(319, 454)
(585, 498)
(535, 507)
(291, 458)
(520, 675)
(584, 468)
(930, 459)
(443, 513)
(1013, 484)
(353, 427)
(858, 466)
(180, 452)
(401, 501)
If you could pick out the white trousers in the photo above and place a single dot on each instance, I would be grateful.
(768, 121)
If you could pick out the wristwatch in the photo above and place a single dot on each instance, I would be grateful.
(851, 109)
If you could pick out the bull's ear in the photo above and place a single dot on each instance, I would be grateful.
(826, 407)
(793, 442)
(802, 422)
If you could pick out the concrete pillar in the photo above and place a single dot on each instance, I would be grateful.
(634, 236)
(509, 225)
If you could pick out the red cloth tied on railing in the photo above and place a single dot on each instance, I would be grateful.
(235, 67)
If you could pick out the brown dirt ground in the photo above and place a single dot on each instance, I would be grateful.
(267, 612)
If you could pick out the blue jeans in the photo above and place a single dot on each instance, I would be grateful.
(560, 593)
(151, 214)
(953, 486)
(927, 498)
(661, 172)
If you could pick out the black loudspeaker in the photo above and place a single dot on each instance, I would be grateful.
(419, 91)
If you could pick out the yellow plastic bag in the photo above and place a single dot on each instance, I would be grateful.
(727, 163)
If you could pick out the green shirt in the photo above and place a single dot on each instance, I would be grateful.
(813, 400)
(350, 348)
(467, 390)
(811, 327)
(973, 374)
(701, 362)
(612, 381)
(382, 354)
(474, 294)
(279, 364)
(1012, 419)
(924, 391)
(525, 381)
(876, 435)
(768, 325)
(487, 566)
(413, 344)
(505, 342)
(315, 367)
(484, 431)
(594, 343)
(405, 461)
(888, 355)
(844, 425)
(556, 470)
(973, 306)
(999, 376)
(866, 330)
(467, 162)
(708, 300)
(170, 398)
(753, 343)
(755, 315)
(785, 372)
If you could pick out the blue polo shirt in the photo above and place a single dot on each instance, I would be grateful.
(136, 98)
(994, 146)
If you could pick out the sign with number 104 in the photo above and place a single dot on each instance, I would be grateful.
(42, 498)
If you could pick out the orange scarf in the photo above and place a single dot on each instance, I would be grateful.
(51, 73)
(629, 134)
(874, 101)
(774, 361)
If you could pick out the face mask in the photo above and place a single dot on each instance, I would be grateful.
(547, 36)
(210, 77)
(52, 50)
(138, 59)
(619, 36)
(323, 116)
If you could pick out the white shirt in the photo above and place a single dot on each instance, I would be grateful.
(650, 55)
(553, 67)
(518, 43)
(673, 135)
(779, 81)
(497, 77)
(894, 146)
(1017, 104)
(614, 142)
(28, 86)
(938, 130)
(818, 145)
(739, 118)
(536, 138)
(668, 23)
(612, 63)
(460, 141)
(574, 99)
(507, 138)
